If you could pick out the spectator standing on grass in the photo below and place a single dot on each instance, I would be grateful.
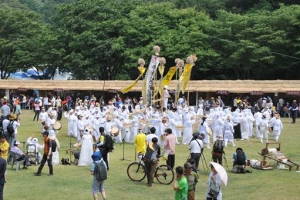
(2, 176)
(169, 145)
(294, 111)
(150, 160)
(36, 110)
(192, 179)
(97, 186)
(5, 109)
(180, 184)
(47, 155)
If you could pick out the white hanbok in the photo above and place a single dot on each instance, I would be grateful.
(277, 127)
(86, 151)
(188, 129)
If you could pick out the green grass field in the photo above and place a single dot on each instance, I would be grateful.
(74, 183)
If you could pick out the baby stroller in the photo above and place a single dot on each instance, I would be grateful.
(33, 154)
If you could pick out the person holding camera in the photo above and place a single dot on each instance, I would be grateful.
(196, 148)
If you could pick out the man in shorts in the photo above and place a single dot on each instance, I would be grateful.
(97, 185)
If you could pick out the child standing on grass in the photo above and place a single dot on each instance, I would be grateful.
(97, 185)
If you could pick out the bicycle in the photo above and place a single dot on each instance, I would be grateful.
(164, 174)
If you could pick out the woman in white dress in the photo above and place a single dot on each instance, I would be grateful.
(86, 149)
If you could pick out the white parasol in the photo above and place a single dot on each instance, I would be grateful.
(221, 172)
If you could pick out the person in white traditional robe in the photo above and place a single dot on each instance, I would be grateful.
(245, 126)
(86, 149)
(34, 146)
(217, 128)
(178, 120)
(155, 122)
(257, 117)
(263, 128)
(55, 155)
(251, 120)
(188, 128)
(164, 124)
(165, 96)
(124, 118)
(42, 117)
(80, 127)
(134, 127)
(96, 126)
(228, 132)
(204, 129)
(71, 122)
(172, 124)
(277, 127)
(200, 110)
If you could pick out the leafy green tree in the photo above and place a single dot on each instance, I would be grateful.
(179, 33)
(18, 32)
(254, 45)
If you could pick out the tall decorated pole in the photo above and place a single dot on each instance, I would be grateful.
(179, 69)
(148, 85)
(186, 75)
(142, 70)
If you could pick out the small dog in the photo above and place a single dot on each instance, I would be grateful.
(65, 161)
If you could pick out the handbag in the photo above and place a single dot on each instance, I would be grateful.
(213, 193)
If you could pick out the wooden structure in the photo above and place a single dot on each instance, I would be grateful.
(290, 87)
(277, 156)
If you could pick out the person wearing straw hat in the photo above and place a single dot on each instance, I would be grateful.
(15, 123)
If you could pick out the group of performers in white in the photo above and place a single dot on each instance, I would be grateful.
(183, 120)
(84, 124)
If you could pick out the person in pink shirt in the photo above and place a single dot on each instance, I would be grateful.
(36, 110)
(169, 146)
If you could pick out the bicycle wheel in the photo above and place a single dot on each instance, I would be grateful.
(164, 174)
(136, 171)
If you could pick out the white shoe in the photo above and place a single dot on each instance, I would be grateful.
(209, 147)
(242, 139)
(233, 145)
(225, 146)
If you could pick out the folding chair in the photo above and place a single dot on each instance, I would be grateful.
(13, 157)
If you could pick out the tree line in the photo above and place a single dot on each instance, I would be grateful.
(103, 39)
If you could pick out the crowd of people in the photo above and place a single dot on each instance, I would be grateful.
(90, 121)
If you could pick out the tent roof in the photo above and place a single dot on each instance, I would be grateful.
(232, 86)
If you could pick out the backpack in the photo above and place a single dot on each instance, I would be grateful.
(240, 158)
(54, 146)
(100, 171)
(218, 146)
(151, 154)
(108, 143)
(10, 128)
